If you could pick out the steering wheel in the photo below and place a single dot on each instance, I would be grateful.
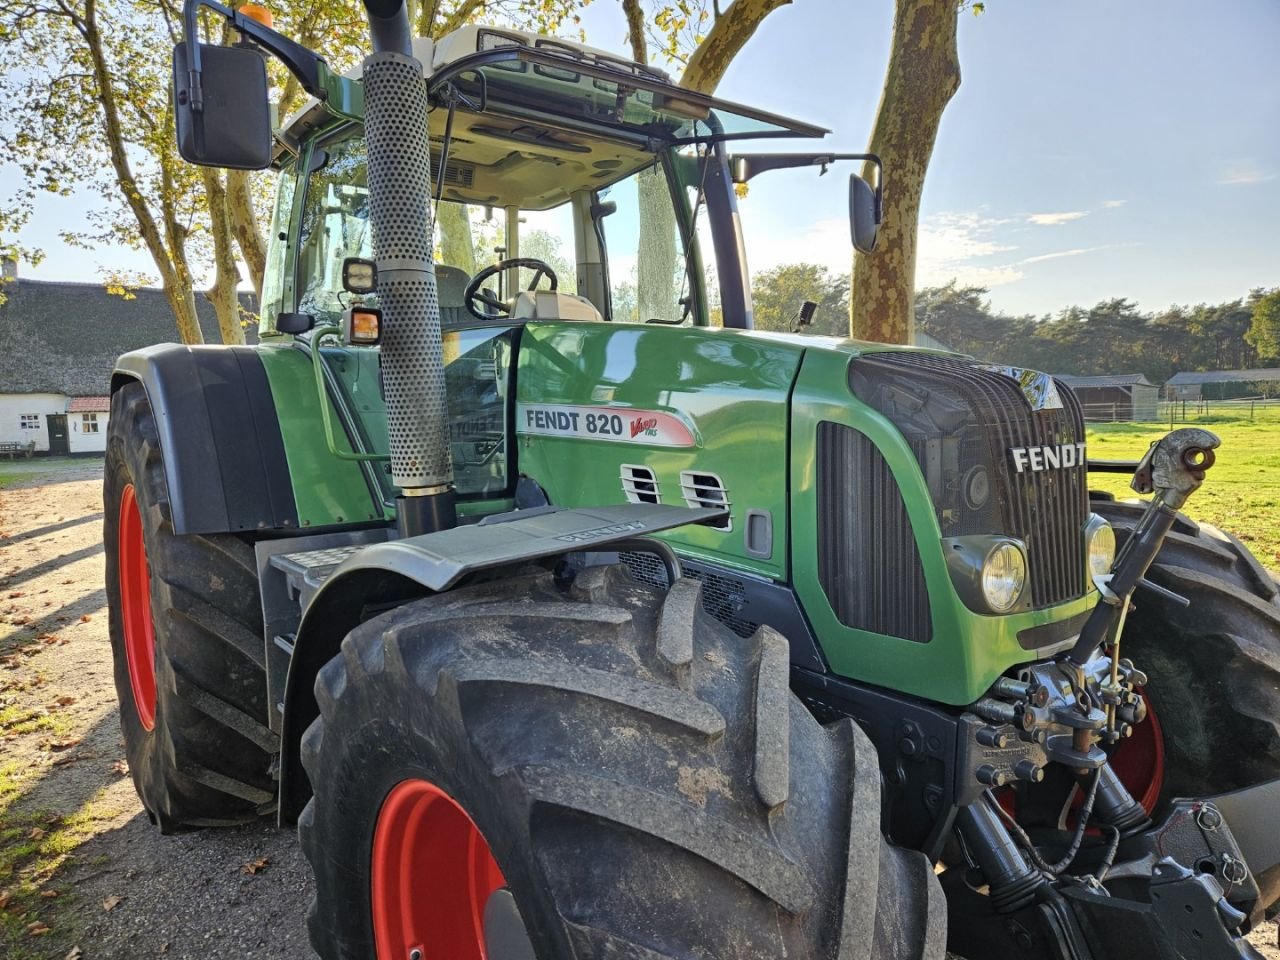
(473, 296)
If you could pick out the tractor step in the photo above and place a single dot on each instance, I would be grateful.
(307, 570)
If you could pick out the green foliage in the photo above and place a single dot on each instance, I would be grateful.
(1264, 332)
(777, 294)
(1113, 336)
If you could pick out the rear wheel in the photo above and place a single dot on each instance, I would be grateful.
(1214, 667)
(523, 769)
(186, 635)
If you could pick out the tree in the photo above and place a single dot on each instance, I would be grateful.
(922, 77)
(1264, 327)
(92, 78)
(778, 292)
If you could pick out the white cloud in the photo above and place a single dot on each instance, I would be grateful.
(1063, 253)
(1245, 173)
(949, 242)
(1056, 219)
(1112, 204)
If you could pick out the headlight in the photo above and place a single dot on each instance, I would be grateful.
(1100, 546)
(1004, 573)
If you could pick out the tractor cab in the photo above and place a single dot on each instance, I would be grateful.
(588, 164)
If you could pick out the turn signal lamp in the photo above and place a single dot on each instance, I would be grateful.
(255, 11)
(362, 326)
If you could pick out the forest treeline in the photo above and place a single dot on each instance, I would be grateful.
(1114, 336)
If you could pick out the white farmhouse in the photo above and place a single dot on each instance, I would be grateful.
(58, 346)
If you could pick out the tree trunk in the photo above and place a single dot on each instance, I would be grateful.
(183, 304)
(245, 226)
(923, 75)
(728, 35)
(175, 278)
(457, 248)
(656, 254)
(226, 277)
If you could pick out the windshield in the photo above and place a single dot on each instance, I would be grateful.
(619, 246)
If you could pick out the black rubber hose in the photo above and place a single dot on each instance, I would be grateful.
(1082, 822)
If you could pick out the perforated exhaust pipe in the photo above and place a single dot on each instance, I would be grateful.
(395, 120)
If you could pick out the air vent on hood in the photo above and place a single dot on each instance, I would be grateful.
(705, 490)
(639, 484)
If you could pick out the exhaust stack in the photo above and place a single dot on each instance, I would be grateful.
(395, 97)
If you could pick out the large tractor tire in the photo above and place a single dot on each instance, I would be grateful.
(522, 769)
(186, 638)
(1214, 667)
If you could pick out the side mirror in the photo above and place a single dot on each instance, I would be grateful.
(864, 214)
(221, 107)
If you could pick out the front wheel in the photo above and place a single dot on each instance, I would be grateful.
(1214, 666)
(521, 770)
(185, 624)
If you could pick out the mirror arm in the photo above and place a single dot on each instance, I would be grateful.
(747, 165)
(298, 60)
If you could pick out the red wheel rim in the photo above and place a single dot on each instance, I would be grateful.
(432, 874)
(135, 609)
(1139, 761)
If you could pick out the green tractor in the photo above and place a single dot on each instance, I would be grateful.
(566, 616)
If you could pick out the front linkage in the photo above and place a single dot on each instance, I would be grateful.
(1118, 883)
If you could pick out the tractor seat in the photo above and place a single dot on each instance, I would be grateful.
(451, 282)
(553, 305)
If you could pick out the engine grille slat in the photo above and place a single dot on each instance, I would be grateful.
(868, 561)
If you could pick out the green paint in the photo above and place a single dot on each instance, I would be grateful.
(730, 387)
(968, 650)
(328, 491)
(336, 448)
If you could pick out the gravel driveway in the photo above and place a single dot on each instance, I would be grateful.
(83, 875)
(122, 890)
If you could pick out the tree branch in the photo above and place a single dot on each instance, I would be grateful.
(728, 35)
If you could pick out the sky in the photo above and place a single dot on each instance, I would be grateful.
(1095, 149)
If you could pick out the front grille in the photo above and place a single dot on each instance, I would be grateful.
(868, 562)
(722, 596)
(962, 418)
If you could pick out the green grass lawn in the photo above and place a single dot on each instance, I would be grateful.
(1241, 493)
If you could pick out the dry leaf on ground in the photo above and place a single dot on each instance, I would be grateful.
(112, 902)
(255, 866)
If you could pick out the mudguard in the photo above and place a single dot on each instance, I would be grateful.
(340, 587)
(224, 458)
(240, 436)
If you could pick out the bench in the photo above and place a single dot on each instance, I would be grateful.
(12, 449)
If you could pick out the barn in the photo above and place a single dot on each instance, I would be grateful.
(1123, 397)
(58, 346)
(1224, 384)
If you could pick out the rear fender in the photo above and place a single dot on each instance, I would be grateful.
(235, 452)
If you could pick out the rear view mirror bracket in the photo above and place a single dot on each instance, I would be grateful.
(297, 59)
(222, 113)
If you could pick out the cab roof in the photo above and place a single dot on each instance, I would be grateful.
(538, 118)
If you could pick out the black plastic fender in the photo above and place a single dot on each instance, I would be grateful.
(224, 457)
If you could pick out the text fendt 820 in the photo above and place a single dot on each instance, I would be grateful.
(573, 624)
